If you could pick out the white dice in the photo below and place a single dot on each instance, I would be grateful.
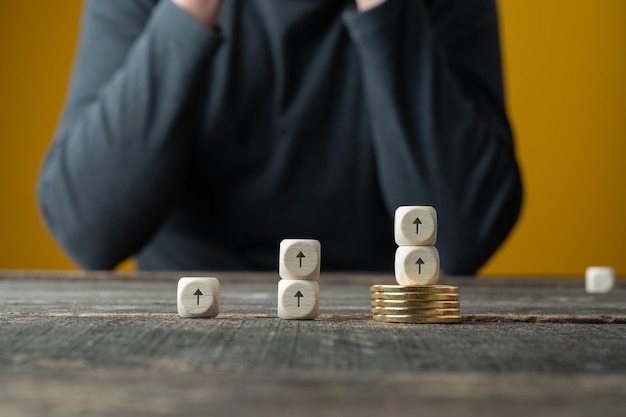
(198, 297)
(299, 259)
(415, 233)
(599, 279)
(415, 226)
(298, 299)
(417, 265)
(299, 269)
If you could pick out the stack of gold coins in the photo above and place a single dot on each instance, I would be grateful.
(416, 304)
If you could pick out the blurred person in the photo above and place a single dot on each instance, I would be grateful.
(197, 134)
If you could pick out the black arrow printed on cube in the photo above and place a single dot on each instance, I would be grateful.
(198, 293)
(299, 295)
(300, 255)
(419, 264)
(417, 223)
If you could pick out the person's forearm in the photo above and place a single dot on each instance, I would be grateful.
(439, 132)
(204, 11)
(122, 151)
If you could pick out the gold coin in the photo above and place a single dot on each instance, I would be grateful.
(424, 304)
(417, 311)
(406, 318)
(439, 289)
(412, 296)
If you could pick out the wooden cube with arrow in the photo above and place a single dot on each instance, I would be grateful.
(198, 297)
(298, 299)
(299, 259)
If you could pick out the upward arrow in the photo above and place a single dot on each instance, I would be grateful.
(198, 293)
(299, 295)
(417, 223)
(300, 255)
(419, 264)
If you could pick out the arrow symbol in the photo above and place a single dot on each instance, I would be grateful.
(419, 264)
(417, 223)
(300, 255)
(198, 293)
(299, 295)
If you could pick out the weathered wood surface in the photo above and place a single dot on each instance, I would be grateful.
(85, 344)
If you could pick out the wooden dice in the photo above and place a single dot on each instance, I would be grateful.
(299, 270)
(299, 259)
(599, 279)
(415, 226)
(298, 299)
(198, 297)
(417, 265)
(417, 259)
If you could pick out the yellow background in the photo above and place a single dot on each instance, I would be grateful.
(565, 66)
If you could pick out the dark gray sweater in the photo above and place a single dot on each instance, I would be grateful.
(301, 118)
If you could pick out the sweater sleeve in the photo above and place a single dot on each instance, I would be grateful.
(120, 155)
(433, 84)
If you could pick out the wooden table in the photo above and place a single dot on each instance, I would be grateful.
(81, 344)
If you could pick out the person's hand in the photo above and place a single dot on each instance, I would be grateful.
(365, 5)
(204, 11)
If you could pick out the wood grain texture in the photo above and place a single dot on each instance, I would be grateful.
(96, 346)
(138, 392)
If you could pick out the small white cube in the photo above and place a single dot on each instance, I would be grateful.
(198, 297)
(298, 300)
(415, 226)
(599, 279)
(417, 265)
(299, 259)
